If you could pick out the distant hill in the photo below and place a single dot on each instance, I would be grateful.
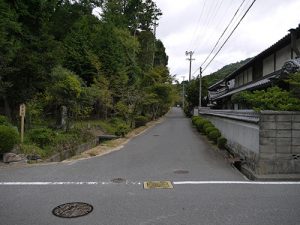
(226, 70)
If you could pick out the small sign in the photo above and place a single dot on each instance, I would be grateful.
(22, 110)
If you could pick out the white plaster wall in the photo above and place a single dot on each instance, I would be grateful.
(242, 133)
(282, 56)
(268, 65)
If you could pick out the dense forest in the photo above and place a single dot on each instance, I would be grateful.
(224, 71)
(61, 53)
(58, 52)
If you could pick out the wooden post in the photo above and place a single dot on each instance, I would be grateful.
(22, 115)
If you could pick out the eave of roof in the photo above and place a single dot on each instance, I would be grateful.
(265, 81)
(279, 44)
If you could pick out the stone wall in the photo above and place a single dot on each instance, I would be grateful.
(268, 142)
(67, 153)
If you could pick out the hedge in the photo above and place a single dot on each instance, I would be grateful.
(8, 138)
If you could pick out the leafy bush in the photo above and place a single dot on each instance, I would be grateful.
(140, 121)
(8, 138)
(41, 136)
(206, 125)
(4, 121)
(209, 129)
(222, 142)
(29, 149)
(214, 135)
(273, 98)
(122, 130)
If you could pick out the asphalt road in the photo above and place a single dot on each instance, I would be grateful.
(29, 194)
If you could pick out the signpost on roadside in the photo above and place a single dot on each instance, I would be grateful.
(22, 115)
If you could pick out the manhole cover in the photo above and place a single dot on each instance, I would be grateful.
(158, 185)
(181, 171)
(156, 135)
(118, 180)
(72, 210)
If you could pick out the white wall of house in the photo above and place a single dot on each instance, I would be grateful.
(282, 56)
(268, 65)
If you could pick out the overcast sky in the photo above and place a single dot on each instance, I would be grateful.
(183, 27)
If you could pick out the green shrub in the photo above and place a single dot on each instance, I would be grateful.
(195, 119)
(199, 124)
(209, 129)
(41, 136)
(4, 121)
(29, 149)
(8, 138)
(122, 130)
(214, 135)
(205, 126)
(222, 142)
(140, 121)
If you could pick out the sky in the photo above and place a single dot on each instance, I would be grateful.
(196, 25)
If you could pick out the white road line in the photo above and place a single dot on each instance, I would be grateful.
(237, 182)
(61, 183)
(140, 183)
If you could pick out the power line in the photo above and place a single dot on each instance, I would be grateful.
(198, 22)
(230, 35)
(223, 32)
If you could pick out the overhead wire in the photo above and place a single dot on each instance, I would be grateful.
(218, 41)
(208, 19)
(248, 9)
(198, 22)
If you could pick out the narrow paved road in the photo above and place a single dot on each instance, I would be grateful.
(29, 194)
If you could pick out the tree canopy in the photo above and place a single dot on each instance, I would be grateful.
(57, 52)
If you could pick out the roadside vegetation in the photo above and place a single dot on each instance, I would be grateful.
(284, 97)
(205, 127)
(79, 74)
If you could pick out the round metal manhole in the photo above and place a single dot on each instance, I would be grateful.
(118, 180)
(72, 210)
(181, 171)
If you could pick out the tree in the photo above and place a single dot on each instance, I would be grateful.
(273, 98)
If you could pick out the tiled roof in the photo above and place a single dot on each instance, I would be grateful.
(265, 81)
(279, 44)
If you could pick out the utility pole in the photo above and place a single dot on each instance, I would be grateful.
(182, 92)
(200, 89)
(190, 53)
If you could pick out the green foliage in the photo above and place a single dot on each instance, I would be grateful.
(222, 142)
(206, 125)
(41, 136)
(294, 81)
(200, 124)
(31, 149)
(57, 53)
(4, 121)
(273, 98)
(192, 92)
(8, 138)
(214, 135)
(209, 129)
(140, 121)
(122, 130)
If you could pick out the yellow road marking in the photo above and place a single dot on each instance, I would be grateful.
(158, 185)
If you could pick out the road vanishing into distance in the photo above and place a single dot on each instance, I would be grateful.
(206, 188)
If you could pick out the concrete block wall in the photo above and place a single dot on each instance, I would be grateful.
(270, 145)
(279, 143)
